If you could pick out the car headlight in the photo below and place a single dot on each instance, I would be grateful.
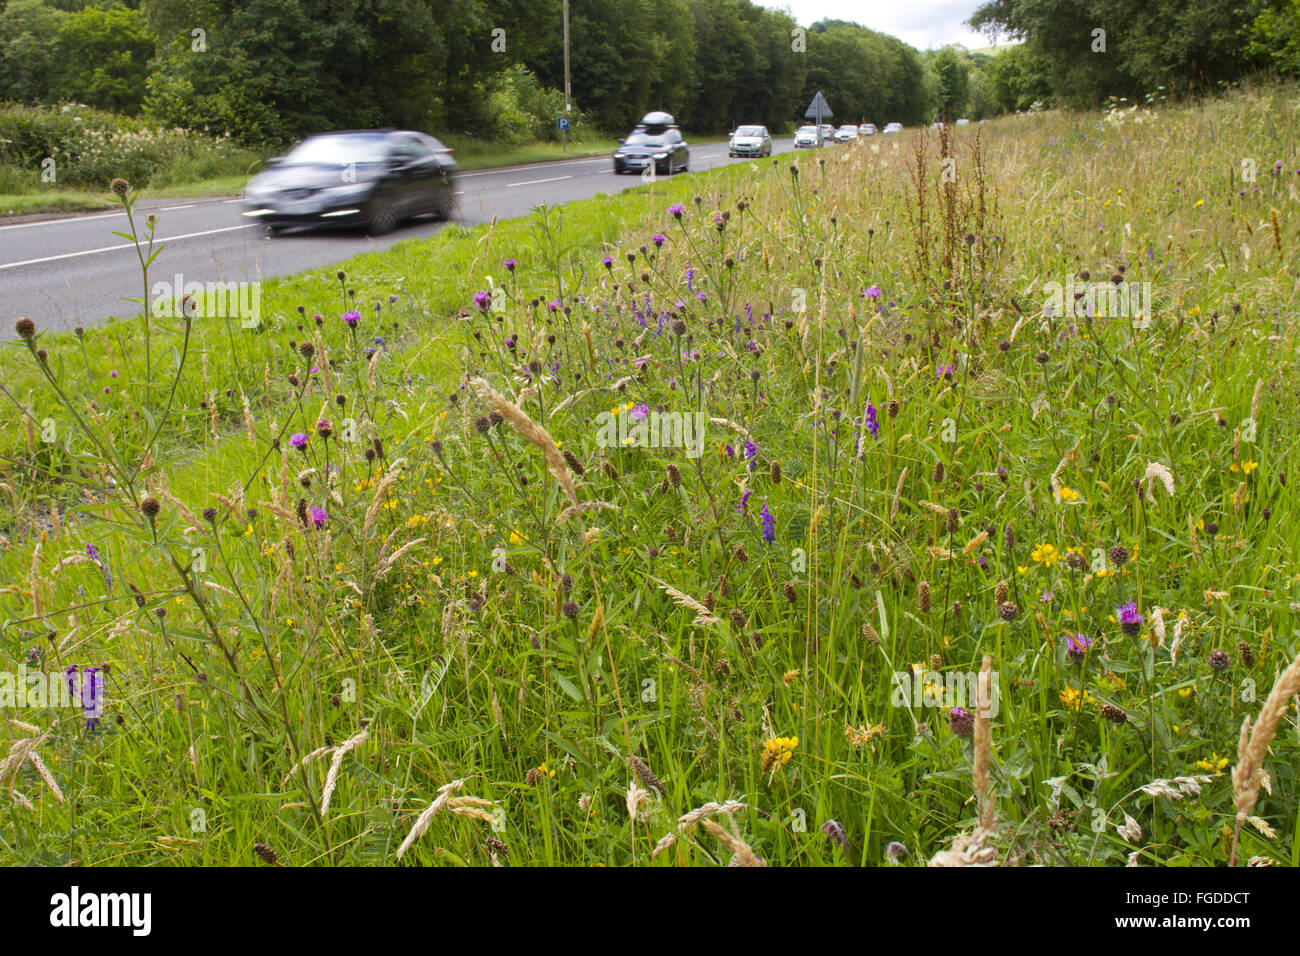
(661, 155)
(619, 155)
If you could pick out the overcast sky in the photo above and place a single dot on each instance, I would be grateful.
(922, 23)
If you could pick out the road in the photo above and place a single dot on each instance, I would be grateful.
(73, 271)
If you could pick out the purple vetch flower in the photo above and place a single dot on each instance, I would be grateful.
(352, 318)
(743, 507)
(92, 552)
(690, 275)
(769, 524)
(298, 440)
(319, 516)
(871, 422)
(836, 833)
(92, 696)
(731, 452)
(751, 452)
(676, 210)
(1076, 646)
(392, 298)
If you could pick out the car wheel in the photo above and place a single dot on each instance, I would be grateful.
(380, 217)
(445, 209)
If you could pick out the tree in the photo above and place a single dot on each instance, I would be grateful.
(29, 62)
(105, 54)
(951, 84)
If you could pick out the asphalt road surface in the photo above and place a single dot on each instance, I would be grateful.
(73, 271)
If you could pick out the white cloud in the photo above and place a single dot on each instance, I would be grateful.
(922, 23)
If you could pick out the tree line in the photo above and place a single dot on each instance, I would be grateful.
(264, 72)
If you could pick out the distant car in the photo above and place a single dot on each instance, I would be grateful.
(846, 133)
(828, 133)
(963, 122)
(937, 124)
(750, 141)
(805, 137)
(656, 143)
(371, 178)
(893, 127)
(867, 129)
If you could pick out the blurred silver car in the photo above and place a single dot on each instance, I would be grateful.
(750, 141)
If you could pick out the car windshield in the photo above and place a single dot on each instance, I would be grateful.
(340, 150)
(643, 139)
(808, 129)
(750, 131)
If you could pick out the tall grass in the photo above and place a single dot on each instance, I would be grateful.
(405, 543)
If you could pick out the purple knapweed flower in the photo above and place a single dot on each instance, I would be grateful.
(1130, 621)
(482, 300)
(873, 292)
(658, 240)
(641, 411)
(676, 210)
(352, 318)
(298, 440)
(319, 516)
(1076, 646)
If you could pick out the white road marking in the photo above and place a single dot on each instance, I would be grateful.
(52, 222)
(534, 182)
(125, 245)
(227, 202)
(188, 205)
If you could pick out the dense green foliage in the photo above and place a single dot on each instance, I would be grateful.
(1090, 50)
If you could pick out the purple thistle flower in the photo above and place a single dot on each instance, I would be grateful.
(319, 516)
(873, 292)
(298, 440)
(769, 524)
(1076, 646)
(510, 264)
(1130, 621)
(658, 240)
(676, 210)
(641, 411)
(352, 318)
(482, 300)
(836, 833)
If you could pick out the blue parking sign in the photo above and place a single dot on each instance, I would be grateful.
(562, 123)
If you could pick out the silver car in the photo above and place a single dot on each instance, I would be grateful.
(750, 141)
(806, 138)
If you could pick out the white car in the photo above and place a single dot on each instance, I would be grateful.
(750, 141)
(867, 129)
(893, 127)
(963, 122)
(846, 133)
(806, 138)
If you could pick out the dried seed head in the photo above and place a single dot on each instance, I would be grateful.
(1001, 592)
(150, 508)
(1114, 714)
(264, 852)
(674, 476)
(1219, 660)
(923, 597)
(1119, 555)
(790, 591)
(774, 472)
(1008, 610)
(25, 328)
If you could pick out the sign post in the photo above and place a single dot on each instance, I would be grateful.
(562, 124)
(818, 108)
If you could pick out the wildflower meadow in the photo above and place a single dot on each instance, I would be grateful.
(928, 500)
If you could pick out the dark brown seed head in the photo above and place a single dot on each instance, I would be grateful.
(150, 508)
(738, 620)
(1008, 610)
(1219, 660)
(264, 852)
(1119, 555)
(570, 610)
(120, 186)
(774, 472)
(1001, 592)
(674, 476)
(1114, 714)
(938, 471)
(25, 328)
(923, 597)
(646, 775)
(790, 591)
(573, 462)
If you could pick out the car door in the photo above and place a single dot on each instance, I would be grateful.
(676, 149)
